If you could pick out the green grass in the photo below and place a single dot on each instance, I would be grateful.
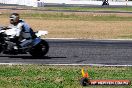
(41, 76)
(72, 16)
(126, 36)
(61, 16)
(86, 8)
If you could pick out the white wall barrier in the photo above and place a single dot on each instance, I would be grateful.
(41, 3)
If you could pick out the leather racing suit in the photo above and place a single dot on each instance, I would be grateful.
(23, 33)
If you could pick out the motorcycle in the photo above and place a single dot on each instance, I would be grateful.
(37, 47)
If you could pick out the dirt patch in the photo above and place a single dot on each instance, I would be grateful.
(80, 29)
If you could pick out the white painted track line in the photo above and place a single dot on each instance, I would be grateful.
(89, 39)
(68, 64)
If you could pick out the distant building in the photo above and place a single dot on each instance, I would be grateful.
(42, 3)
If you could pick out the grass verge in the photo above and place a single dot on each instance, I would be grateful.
(42, 76)
(72, 16)
(101, 8)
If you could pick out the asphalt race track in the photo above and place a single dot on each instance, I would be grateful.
(106, 52)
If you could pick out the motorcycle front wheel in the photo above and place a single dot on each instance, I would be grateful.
(40, 50)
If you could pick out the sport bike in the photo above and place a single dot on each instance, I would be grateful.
(37, 46)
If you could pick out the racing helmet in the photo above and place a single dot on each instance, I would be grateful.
(14, 18)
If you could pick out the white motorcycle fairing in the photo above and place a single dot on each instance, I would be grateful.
(40, 33)
(12, 32)
(15, 32)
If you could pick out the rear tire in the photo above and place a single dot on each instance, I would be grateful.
(1, 49)
(40, 50)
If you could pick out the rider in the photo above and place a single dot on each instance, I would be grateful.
(24, 33)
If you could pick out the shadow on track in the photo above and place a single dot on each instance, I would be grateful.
(30, 57)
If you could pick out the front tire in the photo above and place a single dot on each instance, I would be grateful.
(40, 50)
